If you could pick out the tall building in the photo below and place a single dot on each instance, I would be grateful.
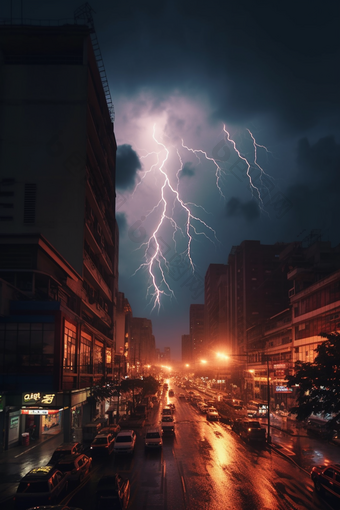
(123, 335)
(186, 349)
(142, 345)
(257, 288)
(167, 354)
(197, 331)
(213, 338)
(59, 244)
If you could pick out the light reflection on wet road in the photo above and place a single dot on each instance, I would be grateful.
(205, 466)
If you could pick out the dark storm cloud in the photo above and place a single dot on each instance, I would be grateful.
(249, 58)
(248, 210)
(315, 192)
(321, 159)
(128, 165)
(122, 222)
(188, 170)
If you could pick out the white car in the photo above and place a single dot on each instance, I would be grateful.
(153, 438)
(125, 442)
(168, 424)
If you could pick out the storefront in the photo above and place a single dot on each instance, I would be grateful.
(41, 414)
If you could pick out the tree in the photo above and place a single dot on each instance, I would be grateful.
(131, 385)
(318, 383)
(150, 386)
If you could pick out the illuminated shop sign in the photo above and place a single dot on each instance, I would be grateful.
(38, 398)
(280, 366)
(39, 411)
(283, 389)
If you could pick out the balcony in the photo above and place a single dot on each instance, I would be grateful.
(91, 267)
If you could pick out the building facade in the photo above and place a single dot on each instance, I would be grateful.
(59, 245)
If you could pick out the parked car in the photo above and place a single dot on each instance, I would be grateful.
(43, 485)
(125, 442)
(168, 424)
(65, 449)
(327, 480)
(75, 466)
(182, 396)
(113, 492)
(171, 393)
(102, 444)
(111, 429)
(212, 415)
(153, 438)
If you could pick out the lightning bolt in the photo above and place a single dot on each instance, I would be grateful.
(218, 171)
(252, 186)
(156, 263)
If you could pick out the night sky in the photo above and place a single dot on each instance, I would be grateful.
(182, 75)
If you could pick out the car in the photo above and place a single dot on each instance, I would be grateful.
(125, 442)
(167, 411)
(327, 480)
(153, 438)
(168, 424)
(102, 444)
(182, 396)
(113, 492)
(171, 393)
(203, 407)
(65, 449)
(75, 466)
(250, 430)
(111, 429)
(43, 485)
(212, 415)
(252, 411)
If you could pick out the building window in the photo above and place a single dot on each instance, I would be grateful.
(86, 353)
(98, 357)
(70, 340)
(24, 345)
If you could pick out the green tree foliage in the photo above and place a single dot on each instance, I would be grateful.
(318, 389)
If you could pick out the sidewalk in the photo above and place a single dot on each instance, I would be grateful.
(34, 443)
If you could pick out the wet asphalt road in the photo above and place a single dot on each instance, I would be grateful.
(204, 466)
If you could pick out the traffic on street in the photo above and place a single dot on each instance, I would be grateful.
(199, 464)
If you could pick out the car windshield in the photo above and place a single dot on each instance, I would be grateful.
(167, 418)
(152, 435)
(33, 487)
(100, 440)
(254, 424)
(123, 439)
